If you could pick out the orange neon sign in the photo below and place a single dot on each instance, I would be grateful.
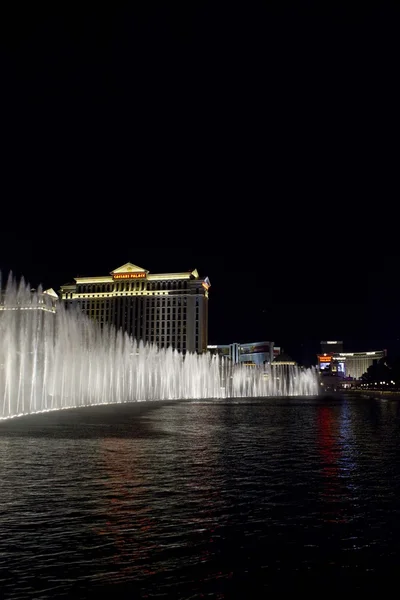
(325, 359)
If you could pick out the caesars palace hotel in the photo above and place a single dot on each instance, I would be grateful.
(168, 309)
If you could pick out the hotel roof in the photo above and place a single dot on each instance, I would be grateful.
(132, 268)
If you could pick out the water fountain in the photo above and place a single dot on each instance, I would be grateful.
(52, 358)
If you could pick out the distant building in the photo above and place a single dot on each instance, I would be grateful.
(252, 354)
(284, 359)
(229, 351)
(257, 353)
(346, 364)
(30, 310)
(167, 309)
(45, 301)
(331, 346)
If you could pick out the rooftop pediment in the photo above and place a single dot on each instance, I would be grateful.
(128, 268)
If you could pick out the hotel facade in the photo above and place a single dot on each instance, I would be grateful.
(167, 309)
(352, 365)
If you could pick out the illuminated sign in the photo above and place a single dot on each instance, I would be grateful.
(129, 276)
(325, 359)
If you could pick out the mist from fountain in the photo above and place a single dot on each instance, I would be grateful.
(52, 358)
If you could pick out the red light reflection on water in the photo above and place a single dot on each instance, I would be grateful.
(128, 526)
(329, 451)
(326, 442)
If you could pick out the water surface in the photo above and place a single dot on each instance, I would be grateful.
(208, 499)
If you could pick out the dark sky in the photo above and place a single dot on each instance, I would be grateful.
(258, 144)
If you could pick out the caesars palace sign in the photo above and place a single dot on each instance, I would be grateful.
(129, 275)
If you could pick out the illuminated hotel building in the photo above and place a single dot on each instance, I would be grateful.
(346, 364)
(167, 309)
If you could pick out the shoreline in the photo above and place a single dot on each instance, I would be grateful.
(375, 393)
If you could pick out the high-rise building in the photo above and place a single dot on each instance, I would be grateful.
(331, 346)
(168, 309)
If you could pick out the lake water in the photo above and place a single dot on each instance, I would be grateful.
(208, 499)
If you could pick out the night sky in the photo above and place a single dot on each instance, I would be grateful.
(258, 144)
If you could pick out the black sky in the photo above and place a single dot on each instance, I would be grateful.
(258, 144)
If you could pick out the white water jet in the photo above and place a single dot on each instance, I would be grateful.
(52, 358)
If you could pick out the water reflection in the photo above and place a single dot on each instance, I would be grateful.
(163, 511)
(127, 529)
(200, 499)
(330, 451)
